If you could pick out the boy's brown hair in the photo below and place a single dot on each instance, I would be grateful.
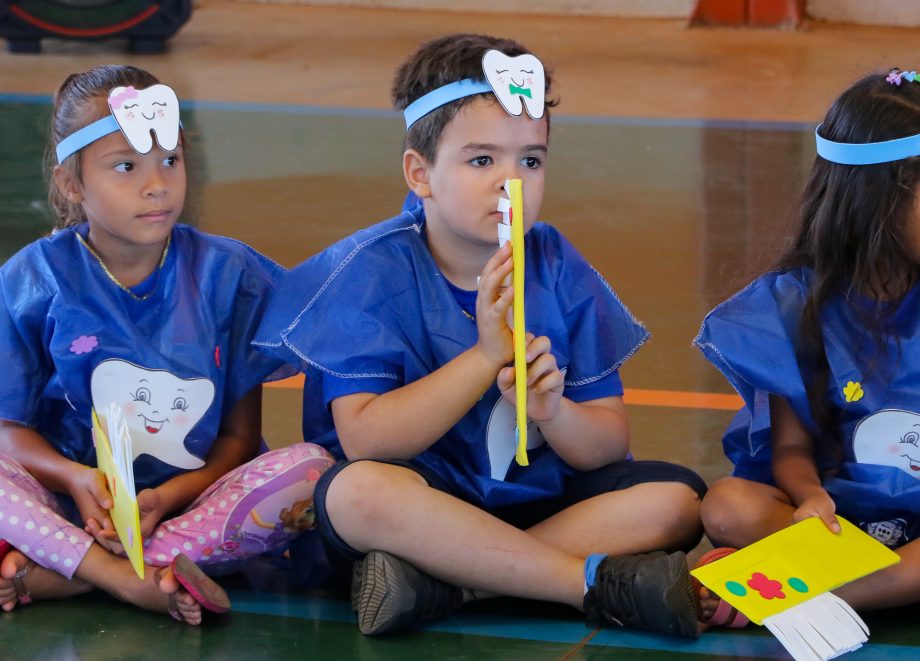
(440, 62)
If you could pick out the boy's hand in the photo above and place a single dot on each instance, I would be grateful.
(821, 505)
(545, 382)
(492, 305)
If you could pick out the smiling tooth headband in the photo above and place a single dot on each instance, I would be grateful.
(870, 153)
(518, 83)
(136, 113)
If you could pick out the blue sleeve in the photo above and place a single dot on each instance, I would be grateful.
(249, 366)
(607, 386)
(751, 339)
(24, 305)
(335, 387)
(592, 331)
(344, 311)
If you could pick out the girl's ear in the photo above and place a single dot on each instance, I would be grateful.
(415, 170)
(66, 181)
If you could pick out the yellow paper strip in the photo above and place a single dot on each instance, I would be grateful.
(520, 341)
(124, 512)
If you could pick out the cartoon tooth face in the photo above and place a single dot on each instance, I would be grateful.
(518, 82)
(159, 407)
(138, 112)
(891, 438)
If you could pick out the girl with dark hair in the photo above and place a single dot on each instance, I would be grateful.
(825, 350)
(124, 305)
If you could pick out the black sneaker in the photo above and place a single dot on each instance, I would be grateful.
(647, 591)
(390, 594)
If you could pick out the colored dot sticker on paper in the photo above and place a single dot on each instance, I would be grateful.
(767, 587)
(735, 588)
(798, 585)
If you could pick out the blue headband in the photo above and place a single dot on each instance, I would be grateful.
(442, 96)
(867, 153)
(88, 134)
(128, 108)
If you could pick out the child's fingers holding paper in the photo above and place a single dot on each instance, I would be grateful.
(505, 382)
(107, 538)
(88, 489)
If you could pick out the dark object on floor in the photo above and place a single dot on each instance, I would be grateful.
(147, 24)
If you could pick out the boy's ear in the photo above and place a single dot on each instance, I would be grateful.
(415, 170)
(67, 183)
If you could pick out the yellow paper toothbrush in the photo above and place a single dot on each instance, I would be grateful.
(514, 189)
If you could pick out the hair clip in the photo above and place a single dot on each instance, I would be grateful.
(895, 76)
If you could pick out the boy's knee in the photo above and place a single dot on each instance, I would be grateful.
(682, 520)
(367, 489)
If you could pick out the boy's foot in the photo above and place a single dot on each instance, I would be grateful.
(647, 591)
(390, 594)
(21, 580)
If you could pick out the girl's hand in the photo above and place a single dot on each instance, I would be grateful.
(492, 305)
(150, 507)
(87, 487)
(545, 382)
(107, 538)
(821, 505)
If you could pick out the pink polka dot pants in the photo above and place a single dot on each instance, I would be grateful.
(30, 520)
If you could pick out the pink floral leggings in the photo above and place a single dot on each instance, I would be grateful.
(254, 508)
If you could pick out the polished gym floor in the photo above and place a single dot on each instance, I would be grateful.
(675, 164)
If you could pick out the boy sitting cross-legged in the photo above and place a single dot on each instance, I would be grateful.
(402, 331)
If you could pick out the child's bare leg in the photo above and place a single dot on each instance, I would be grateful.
(41, 583)
(738, 512)
(375, 506)
(159, 591)
(647, 517)
(897, 585)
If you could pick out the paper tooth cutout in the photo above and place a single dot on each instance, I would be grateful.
(518, 82)
(784, 582)
(138, 112)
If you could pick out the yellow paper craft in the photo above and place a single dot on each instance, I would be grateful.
(116, 464)
(784, 582)
(514, 188)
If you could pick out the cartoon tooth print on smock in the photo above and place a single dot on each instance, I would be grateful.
(518, 82)
(159, 407)
(138, 112)
(889, 437)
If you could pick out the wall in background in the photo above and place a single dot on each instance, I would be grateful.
(905, 13)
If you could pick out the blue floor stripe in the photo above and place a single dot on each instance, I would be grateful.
(721, 643)
(377, 113)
